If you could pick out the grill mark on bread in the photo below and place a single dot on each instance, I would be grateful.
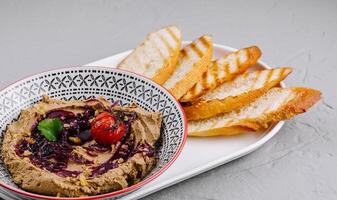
(226, 68)
(194, 88)
(246, 55)
(270, 75)
(166, 43)
(205, 42)
(237, 63)
(203, 81)
(258, 78)
(196, 49)
(214, 72)
(184, 53)
(245, 76)
(282, 72)
(172, 34)
(234, 67)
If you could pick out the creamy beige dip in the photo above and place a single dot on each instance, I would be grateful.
(98, 172)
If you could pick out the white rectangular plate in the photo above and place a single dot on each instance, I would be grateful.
(200, 154)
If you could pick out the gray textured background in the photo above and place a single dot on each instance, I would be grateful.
(299, 163)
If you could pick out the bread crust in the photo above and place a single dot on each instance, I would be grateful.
(169, 62)
(213, 76)
(304, 99)
(207, 108)
(199, 67)
(167, 69)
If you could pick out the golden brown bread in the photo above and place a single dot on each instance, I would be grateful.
(235, 94)
(192, 63)
(222, 70)
(217, 98)
(276, 105)
(157, 56)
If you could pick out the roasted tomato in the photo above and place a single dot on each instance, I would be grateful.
(105, 129)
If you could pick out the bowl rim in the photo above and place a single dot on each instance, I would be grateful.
(118, 192)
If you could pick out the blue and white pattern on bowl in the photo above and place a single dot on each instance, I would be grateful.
(79, 83)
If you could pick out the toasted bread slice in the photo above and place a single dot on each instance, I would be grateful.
(235, 94)
(192, 63)
(222, 70)
(276, 105)
(157, 56)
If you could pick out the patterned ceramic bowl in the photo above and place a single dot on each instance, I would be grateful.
(77, 83)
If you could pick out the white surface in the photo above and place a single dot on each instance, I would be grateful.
(200, 154)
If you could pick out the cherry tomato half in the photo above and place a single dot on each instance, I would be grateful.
(104, 130)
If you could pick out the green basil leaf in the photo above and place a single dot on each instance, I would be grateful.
(50, 128)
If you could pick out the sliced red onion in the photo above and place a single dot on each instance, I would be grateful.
(61, 114)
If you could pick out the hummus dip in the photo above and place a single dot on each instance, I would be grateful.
(75, 164)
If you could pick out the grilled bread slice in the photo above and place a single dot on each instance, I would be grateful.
(235, 94)
(276, 105)
(192, 63)
(157, 56)
(222, 70)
